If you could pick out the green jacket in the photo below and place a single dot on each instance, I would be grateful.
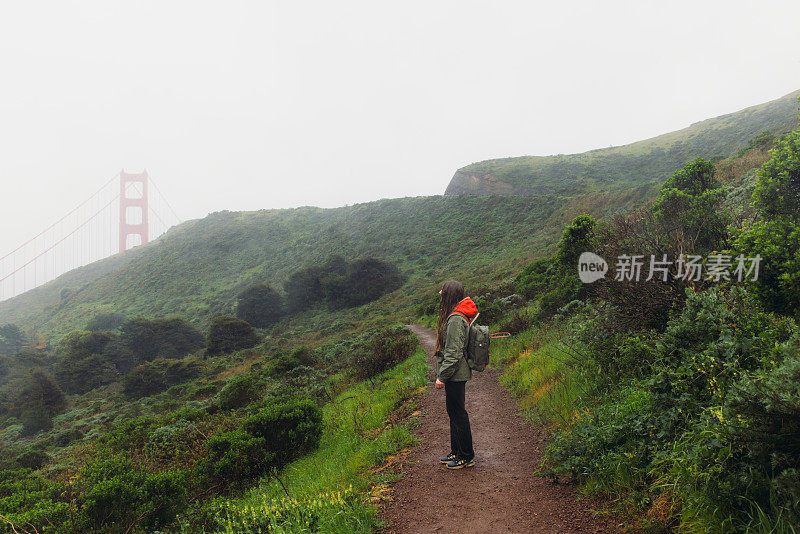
(450, 361)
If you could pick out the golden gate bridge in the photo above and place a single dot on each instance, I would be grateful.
(126, 211)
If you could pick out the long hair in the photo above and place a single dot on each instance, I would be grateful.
(452, 294)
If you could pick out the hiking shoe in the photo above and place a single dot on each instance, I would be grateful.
(449, 458)
(460, 463)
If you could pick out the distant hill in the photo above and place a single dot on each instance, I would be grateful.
(196, 269)
(624, 166)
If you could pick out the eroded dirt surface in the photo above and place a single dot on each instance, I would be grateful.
(499, 494)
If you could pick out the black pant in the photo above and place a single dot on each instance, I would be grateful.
(460, 431)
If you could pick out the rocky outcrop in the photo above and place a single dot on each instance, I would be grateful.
(471, 183)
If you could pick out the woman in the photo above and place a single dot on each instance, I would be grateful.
(453, 371)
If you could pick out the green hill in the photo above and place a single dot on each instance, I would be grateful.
(197, 268)
(624, 166)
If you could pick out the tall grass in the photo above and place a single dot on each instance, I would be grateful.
(540, 371)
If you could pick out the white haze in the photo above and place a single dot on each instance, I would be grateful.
(260, 104)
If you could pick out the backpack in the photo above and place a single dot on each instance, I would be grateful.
(477, 350)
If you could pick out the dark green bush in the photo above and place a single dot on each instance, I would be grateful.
(260, 305)
(35, 420)
(82, 366)
(147, 339)
(32, 459)
(104, 322)
(39, 391)
(120, 496)
(290, 428)
(33, 501)
(228, 334)
(11, 339)
(239, 391)
(158, 375)
(341, 284)
(692, 199)
(235, 456)
(381, 350)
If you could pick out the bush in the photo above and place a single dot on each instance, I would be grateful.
(282, 363)
(11, 339)
(239, 391)
(120, 496)
(32, 459)
(341, 284)
(82, 366)
(365, 280)
(235, 456)
(776, 238)
(382, 350)
(158, 375)
(147, 339)
(692, 199)
(104, 322)
(259, 305)
(228, 334)
(517, 323)
(290, 428)
(170, 442)
(35, 420)
(39, 391)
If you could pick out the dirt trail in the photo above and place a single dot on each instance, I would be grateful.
(501, 493)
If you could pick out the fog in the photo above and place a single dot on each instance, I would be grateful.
(250, 105)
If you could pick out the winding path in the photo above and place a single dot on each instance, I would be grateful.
(501, 493)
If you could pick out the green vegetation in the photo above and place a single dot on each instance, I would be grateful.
(643, 161)
(173, 443)
(259, 305)
(280, 378)
(688, 422)
(424, 238)
(228, 334)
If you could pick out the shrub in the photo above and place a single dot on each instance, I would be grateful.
(147, 339)
(104, 322)
(158, 375)
(228, 334)
(290, 428)
(39, 391)
(778, 244)
(304, 289)
(692, 198)
(341, 284)
(365, 280)
(259, 305)
(11, 339)
(382, 350)
(35, 420)
(166, 443)
(517, 323)
(765, 425)
(235, 456)
(32, 459)
(82, 366)
(120, 496)
(239, 391)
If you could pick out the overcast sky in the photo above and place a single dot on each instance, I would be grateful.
(260, 104)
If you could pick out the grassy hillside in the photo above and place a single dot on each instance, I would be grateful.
(197, 268)
(145, 428)
(643, 161)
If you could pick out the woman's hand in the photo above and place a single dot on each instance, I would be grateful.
(439, 384)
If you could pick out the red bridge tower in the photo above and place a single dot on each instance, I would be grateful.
(132, 209)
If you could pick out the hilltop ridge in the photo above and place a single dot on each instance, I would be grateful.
(627, 165)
